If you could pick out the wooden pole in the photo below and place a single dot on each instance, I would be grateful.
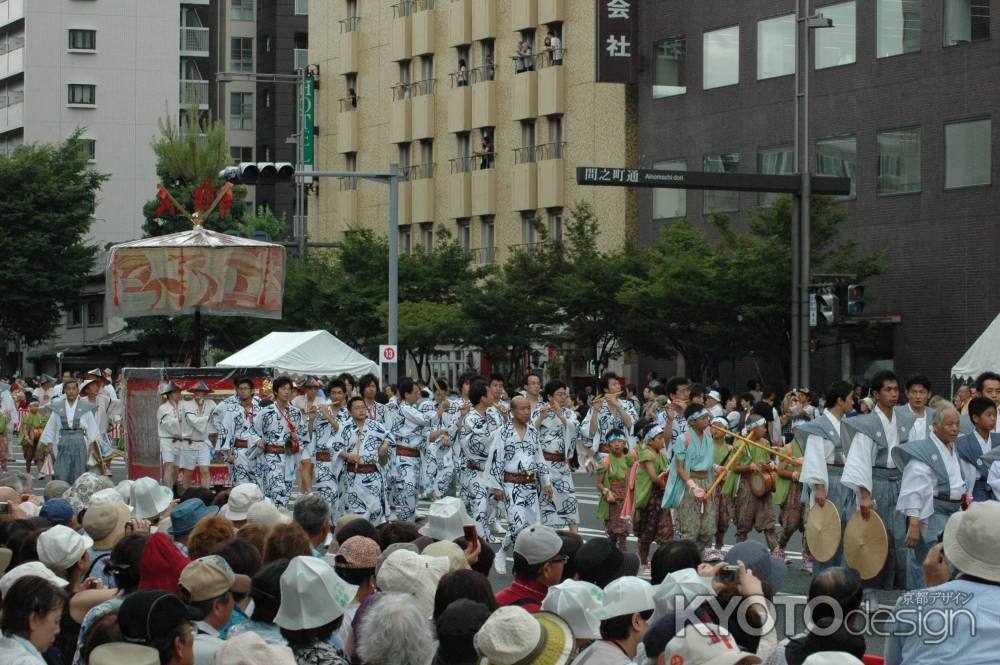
(787, 458)
(728, 467)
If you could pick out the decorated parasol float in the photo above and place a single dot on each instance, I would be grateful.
(196, 272)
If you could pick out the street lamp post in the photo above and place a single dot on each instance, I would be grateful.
(801, 248)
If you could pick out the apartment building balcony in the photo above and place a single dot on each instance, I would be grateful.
(524, 98)
(347, 200)
(484, 184)
(194, 42)
(399, 115)
(422, 30)
(11, 110)
(551, 11)
(194, 92)
(401, 42)
(524, 188)
(483, 255)
(524, 15)
(405, 200)
(12, 57)
(551, 83)
(422, 104)
(551, 175)
(484, 19)
(484, 96)
(459, 105)
(459, 22)
(11, 11)
(422, 193)
(347, 127)
(347, 48)
(460, 188)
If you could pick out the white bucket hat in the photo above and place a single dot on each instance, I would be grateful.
(241, 499)
(972, 541)
(312, 594)
(124, 489)
(36, 568)
(445, 520)
(679, 590)
(61, 547)
(831, 658)
(415, 574)
(266, 513)
(627, 595)
(109, 495)
(148, 498)
(708, 644)
(578, 603)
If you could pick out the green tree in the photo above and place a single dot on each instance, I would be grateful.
(48, 194)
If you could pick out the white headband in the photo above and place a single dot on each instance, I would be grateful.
(696, 416)
(654, 432)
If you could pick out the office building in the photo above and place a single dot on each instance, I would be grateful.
(902, 98)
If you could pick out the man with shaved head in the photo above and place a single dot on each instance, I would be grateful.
(516, 471)
(935, 481)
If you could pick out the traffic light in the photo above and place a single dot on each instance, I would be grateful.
(254, 173)
(855, 299)
(828, 308)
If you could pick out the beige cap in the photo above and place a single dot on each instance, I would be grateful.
(105, 523)
(206, 578)
(123, 653)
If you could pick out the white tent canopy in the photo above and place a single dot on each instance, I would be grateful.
(983, 355)
(314, 352)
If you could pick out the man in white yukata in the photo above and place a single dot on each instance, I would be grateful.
(196, 451)
(476, 438)
(234, 435)
(327, 446)
(308, 403)
(516, 473)
(935, 482)
(170, 430)
(438, 470)
(69, 433)
(99, 456)
(871, 472)
(557, 428)
(284, 440)
(823, 458)
(609, 411)
(364, 447)
(918, 393)
(411, 438)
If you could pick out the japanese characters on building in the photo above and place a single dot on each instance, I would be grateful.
(617, 54)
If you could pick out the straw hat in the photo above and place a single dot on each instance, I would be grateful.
(866, 544)
(512, 636)
(823, 529)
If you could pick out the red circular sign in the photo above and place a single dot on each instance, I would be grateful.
(389, 354)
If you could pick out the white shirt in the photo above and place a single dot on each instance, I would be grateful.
(50, 435)
(919, 485)
(919, 430)
(206, 645)
(818, 453)
(983, 443)
(861, 455)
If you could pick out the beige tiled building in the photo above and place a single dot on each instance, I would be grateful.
(487, 147)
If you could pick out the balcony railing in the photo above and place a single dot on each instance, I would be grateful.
(349, 24)
(550, 151)
(523, 63)
(528, 248)
(459, 79)
(348, 184)
(12, 44)
(549, 58)
(194, 39)
(483, 255)
(10, 99)
(400, 91)
(349, 103)
(300, 58)
(483, 160)
(486, 72)
(421, 171)
(524, 155)
(403, 8)
(461, 164)
(194, 92)
(419, 88)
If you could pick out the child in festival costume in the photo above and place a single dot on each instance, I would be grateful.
(752, 511)
(32, 426)
(725, 493)
(788, 497)
(694, 456)
(652, 522)
(612, 483)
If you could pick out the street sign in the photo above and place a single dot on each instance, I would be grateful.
(813, 311)
(310, 121)
(387, 353)
(736, 182)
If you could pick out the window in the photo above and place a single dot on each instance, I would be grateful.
(486, 235)
(243, 10)
(242, 54)
(670, 203)
(404, 240)
(301, 7)
(727, 162)
(898, 27)
(74, 316)
(555, 225)
(967, 154)
(721, 57)
(89, 149)
(266, 100)
(241, 153)
(427, 238)
(838, 158)
(528, 228)
(899, 161)
(241, 110)
(351, 164)
(95, 313)
(836, 46)
(464, 234)
(776, 47)
(82, 93)
(779, 160)
(83, 40)
(966, 21)
(669, 74)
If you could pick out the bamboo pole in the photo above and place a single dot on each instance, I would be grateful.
(728, 467)
(787, 458)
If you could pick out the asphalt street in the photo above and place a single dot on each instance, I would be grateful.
(796, 585)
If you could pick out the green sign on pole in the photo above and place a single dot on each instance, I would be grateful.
(310, 118)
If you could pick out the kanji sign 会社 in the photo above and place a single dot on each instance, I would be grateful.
(617, 50)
